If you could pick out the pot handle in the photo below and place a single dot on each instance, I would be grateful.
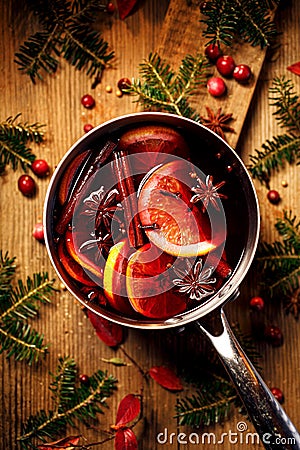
(275, 429)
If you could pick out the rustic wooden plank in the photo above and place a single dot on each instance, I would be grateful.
(181, 34)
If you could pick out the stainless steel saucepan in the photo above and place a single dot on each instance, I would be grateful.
(274, 427)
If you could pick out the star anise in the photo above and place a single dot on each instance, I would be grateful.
(217, 122)
(101, 208)
(206, 192)
(100, 242)
(196, 281)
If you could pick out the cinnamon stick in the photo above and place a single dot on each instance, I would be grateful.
(69, 206)
(128, 193)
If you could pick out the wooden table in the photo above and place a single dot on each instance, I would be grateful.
(56, 103)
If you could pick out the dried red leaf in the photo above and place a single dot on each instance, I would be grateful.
(110, 333)
(125, 440)
(67, 442)
(166, 378)
(128, 410)
(125, 7)
(295, 68)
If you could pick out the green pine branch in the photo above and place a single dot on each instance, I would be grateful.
(7, 272)
(19, 304)
(163, 89)
(249, 20)
(66, 33)
(280, 260)
(214, 395)
(70, 403)
(209, 405)
(14, 137)
(283, 148)
(282, 95)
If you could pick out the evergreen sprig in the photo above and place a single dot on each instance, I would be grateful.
(70, 402)
(209, 405)
(17, 305)
(14, 137)
(66, 34)
(280, 260)
(283, 148)
(161, 88)
(249, 20)
(214, 395)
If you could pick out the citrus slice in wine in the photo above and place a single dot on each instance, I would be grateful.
(151, 144)
(170, 220)
(149, 285)
(114, 277)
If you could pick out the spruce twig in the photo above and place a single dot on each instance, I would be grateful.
(19, 304)
(280, 260)
(14, 137)
(65, 34)
(249, 20)
(163, 89)
(283, 148)
(70, 403)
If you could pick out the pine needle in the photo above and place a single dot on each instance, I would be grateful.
(70, 403)
(163, 89)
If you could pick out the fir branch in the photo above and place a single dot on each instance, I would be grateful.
(80, 402)
(24, 132)
(7, 272)
(18, 304)
(207, 406)
(280, 260)
(14, 136)
(247, 19)
(65, 34)
(287, 103)
(165, 90)
(274, 154)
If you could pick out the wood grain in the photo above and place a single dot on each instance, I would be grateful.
(182, 34)
(56, 102)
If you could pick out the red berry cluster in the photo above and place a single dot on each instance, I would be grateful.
(226, 66)
(26, 183)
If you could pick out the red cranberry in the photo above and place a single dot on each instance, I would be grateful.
(278, 394)
(40, 167)
(273, 334)
(257, 303)
(124, 83)
(84, 379)
(213, 52)
(88, 101)
(110, 8)
(242, 73)
(38, 232)
(216, 86)
(273, 196)
(87, 127)
(26, 185)
(225, 65)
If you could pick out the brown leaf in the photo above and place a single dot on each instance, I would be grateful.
(67, 442)
(129, 408)
(125, 440)
(109, 332)
(166, 378)
(125, 7)
(295, 68)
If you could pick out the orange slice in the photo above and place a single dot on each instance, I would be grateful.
(149, 284)
(164, 202)
(114, 277)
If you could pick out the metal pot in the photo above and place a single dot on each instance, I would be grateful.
(271, 422)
